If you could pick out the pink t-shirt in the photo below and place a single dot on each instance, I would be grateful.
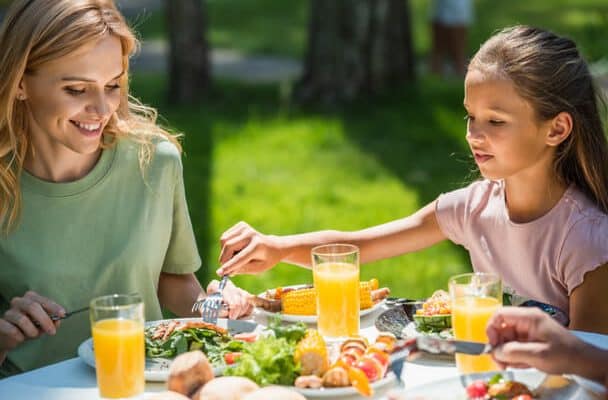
(545, 259)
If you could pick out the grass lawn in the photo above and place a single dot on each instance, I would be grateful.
(252, 156)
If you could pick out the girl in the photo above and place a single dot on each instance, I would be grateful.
(91, 190)
(538, 218)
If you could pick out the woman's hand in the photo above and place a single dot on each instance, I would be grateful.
(236, 298)
(528, 337)
(27, 318)
(247, 251)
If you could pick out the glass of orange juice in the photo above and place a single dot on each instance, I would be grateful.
(117, 322)
(475, 297)
(335, 269)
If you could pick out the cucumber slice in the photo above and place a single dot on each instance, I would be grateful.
(433, 323)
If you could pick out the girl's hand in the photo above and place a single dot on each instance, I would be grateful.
(247, 251)
(27, 318)
(236, 298)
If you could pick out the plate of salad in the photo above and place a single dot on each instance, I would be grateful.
(165, 339)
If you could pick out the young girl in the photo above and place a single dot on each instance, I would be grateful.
(538, 218)
(91, 190)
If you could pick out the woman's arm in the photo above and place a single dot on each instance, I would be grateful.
(528, 337)
(588, 311)
(178, 292)
(245, 250)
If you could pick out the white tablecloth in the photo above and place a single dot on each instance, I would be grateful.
(75, 380)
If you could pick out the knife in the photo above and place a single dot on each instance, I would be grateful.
(450, 346)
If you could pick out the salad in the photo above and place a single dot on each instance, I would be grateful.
(171, 338)
(497, 388)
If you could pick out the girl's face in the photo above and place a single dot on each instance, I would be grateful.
(504, 135)
(71, 99)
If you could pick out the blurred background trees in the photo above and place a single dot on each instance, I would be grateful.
(356, 48)
(189, 70)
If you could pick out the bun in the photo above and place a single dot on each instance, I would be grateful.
(168, 395)
(188, 372)
(274, 393)
(226, 388)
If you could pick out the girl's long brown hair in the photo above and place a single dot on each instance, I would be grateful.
(35, 32)
(549, 72)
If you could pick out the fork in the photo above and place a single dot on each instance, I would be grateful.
(211, 304)
(68, 314)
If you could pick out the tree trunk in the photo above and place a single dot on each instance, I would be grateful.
(356, 47)
(188, 50)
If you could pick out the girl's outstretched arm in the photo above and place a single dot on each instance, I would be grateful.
(247, 251)
(588, 311)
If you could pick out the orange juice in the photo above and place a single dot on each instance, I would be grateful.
(337, 286)
(119, 357)
(470, 316)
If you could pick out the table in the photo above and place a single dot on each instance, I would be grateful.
(74, 380)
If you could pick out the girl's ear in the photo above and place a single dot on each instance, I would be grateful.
(559, 128)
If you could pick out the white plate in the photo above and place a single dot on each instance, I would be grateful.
(454, 388)
(157, 369)
(310, 319)
(385, 383)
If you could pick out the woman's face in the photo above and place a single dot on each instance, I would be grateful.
(504, 135)
(71, 99)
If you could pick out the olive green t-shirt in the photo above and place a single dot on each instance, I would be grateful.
(112, 231)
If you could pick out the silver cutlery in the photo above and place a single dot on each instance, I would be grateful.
(67, 315)
(210, 306)
(450, 346)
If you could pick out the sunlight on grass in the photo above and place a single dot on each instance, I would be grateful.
(310, 176)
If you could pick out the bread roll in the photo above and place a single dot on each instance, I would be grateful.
(226, 388)
(274, 393)
(168, 395)
(188, 372)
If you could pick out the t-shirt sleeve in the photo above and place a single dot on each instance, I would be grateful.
(182, 254)
(585, 248)
(449, 210)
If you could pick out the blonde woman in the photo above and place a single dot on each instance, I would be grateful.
(91, 190)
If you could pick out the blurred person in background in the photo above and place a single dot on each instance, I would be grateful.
(450, 21)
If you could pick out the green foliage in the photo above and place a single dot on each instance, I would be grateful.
(252, 156)
(279, 27)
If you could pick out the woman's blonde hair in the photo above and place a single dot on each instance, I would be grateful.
(35, 32)
(549, 71)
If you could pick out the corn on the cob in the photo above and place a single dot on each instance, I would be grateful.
(311, 353)
(304, 301)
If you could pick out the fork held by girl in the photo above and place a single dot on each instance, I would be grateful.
(538, 218)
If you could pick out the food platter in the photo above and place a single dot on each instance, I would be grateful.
(309, 319)
(543, 386)
(157, 369)
(380, 385)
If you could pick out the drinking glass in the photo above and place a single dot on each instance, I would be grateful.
(117, 322)
(475, 297)
(335, 270)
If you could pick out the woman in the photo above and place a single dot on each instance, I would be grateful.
(91, 190)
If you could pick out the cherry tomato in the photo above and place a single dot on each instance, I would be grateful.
(231, 358)
(477, 389)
